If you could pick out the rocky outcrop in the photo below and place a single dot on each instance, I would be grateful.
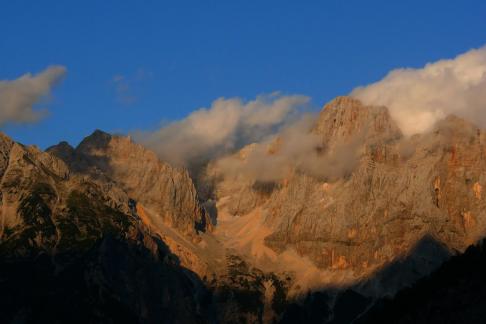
(345, 119)
(73, 249)
(168, 192)
(76, 248)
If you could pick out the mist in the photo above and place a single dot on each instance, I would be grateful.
(418, 98)
(297, 148)
(225, 127)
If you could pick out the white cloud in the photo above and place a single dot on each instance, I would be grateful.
(418, 98)
(17, 97)
(226, 126)
(295, 148)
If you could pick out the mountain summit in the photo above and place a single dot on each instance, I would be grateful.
(168, 192)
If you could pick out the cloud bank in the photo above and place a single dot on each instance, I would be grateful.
(282, 138)
(17, 97)
(226, 126)
(295, 148)
(418, 98)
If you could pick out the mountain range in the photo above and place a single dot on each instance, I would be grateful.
(347, 221)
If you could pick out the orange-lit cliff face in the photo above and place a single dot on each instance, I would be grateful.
(400, 191)
(396, 192)
(168, 191)
(77, 248)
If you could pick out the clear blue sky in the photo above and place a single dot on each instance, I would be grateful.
(177, 56)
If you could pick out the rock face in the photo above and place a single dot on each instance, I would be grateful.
(168, 192)
(73, 249)
(345, 118)
(400, 191)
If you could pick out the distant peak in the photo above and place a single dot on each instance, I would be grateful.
(63, 150)
(64, 144)
(98, 139)
(61, 146)
(341, 102)
(345, 117)
(99, 133)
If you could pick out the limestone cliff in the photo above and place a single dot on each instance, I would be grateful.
(400, 191)
(168, 192)
(74, 249)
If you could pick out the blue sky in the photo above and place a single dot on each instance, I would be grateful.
(134, 64)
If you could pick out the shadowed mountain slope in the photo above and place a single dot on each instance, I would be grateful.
(455, 293)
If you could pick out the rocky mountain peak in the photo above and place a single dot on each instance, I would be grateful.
(62, 150)
(97, 140)
(346, 118)
(167, 192)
